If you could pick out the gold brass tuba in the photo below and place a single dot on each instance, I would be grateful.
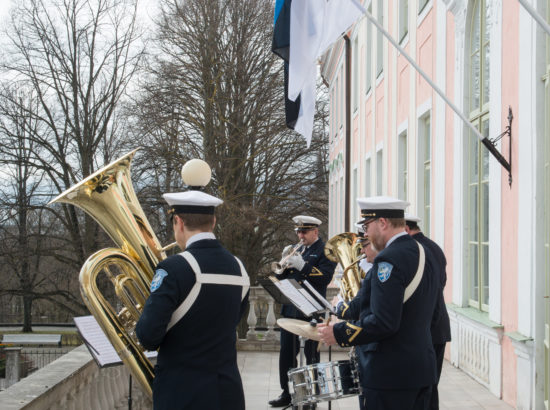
(108, 196)
(346, 250)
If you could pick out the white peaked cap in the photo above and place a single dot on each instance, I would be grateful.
(192, 202)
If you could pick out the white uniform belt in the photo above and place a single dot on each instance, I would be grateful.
(210, 279)
(409, 290)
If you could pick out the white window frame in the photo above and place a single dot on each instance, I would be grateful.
(380, 170)
(368, 175)
(402, 162)
(403, 23)
(379, 39)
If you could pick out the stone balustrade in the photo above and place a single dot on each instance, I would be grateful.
(74, 381)
(262, 320)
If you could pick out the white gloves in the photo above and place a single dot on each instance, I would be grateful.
(296, 262)
(287, 250)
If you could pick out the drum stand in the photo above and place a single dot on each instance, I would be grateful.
(300, 364)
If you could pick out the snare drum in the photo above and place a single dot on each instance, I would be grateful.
(323, 382)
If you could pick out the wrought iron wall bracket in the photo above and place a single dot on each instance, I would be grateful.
(490, 145)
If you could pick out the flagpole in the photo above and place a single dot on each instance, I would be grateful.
(420, 71)
(536, 16)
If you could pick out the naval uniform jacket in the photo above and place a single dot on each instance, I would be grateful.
(393, 340)
(197, 359)
(318, 271)
(440, 327)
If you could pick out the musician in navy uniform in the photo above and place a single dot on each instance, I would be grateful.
(351, 310)
(308, 262)
(197, 299)
(392, 335)
(440, 327)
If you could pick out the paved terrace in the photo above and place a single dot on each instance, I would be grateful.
(75, 382)
(260, 374)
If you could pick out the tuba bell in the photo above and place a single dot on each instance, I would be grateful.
(108, 196)
(346, 250)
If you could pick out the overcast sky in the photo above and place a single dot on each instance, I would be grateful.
(148, 8)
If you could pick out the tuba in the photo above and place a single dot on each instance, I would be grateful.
(108, 196)
(346, 250)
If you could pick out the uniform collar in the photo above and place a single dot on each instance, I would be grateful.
(316, 240)
(394, 237)
(200, 237)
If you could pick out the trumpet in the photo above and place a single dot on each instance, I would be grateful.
(279, 267)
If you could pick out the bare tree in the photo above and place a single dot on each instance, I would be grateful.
(215, 91)
(26, 267)
(78, 57)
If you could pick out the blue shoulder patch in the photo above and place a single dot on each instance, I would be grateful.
(160, 274)
(384, 271)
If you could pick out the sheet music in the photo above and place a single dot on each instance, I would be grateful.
(307, 295)
(296, 297)
(319, 297)
(99, 346)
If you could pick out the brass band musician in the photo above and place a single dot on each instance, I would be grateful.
(307, 261)
(397, 301)
(197, 359)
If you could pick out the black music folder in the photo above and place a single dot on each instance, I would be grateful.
(288, 291)
(267, 282)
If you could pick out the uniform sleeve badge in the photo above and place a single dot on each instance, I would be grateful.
(160, 274)
(384, 271)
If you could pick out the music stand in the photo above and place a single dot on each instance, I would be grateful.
(100, 347)
(305, 298)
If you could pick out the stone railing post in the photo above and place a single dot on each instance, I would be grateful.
(13, 365)
(252, 319)
(270, 320)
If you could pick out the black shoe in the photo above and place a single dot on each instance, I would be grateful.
(281, 401)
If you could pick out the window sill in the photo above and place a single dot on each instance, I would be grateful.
(518, 337)
(473, 314)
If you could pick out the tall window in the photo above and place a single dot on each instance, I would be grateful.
(332, 202)
(368, 62)
(341, 99)
(547, 220)
(355, 75)
(402, 168)
(477, 160)
(368, 190)
(354, 189)
(379, 172)
(342, 205)
(425, 171)
(379, 38)
(336, 203)
(332, 111)
(403, 19)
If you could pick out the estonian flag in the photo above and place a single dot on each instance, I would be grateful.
(281, 47)
(303, 30)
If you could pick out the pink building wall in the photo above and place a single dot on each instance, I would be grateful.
(510, 217)
(388, 106)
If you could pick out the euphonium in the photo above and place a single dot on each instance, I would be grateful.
(345, 250)
(108, 196)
